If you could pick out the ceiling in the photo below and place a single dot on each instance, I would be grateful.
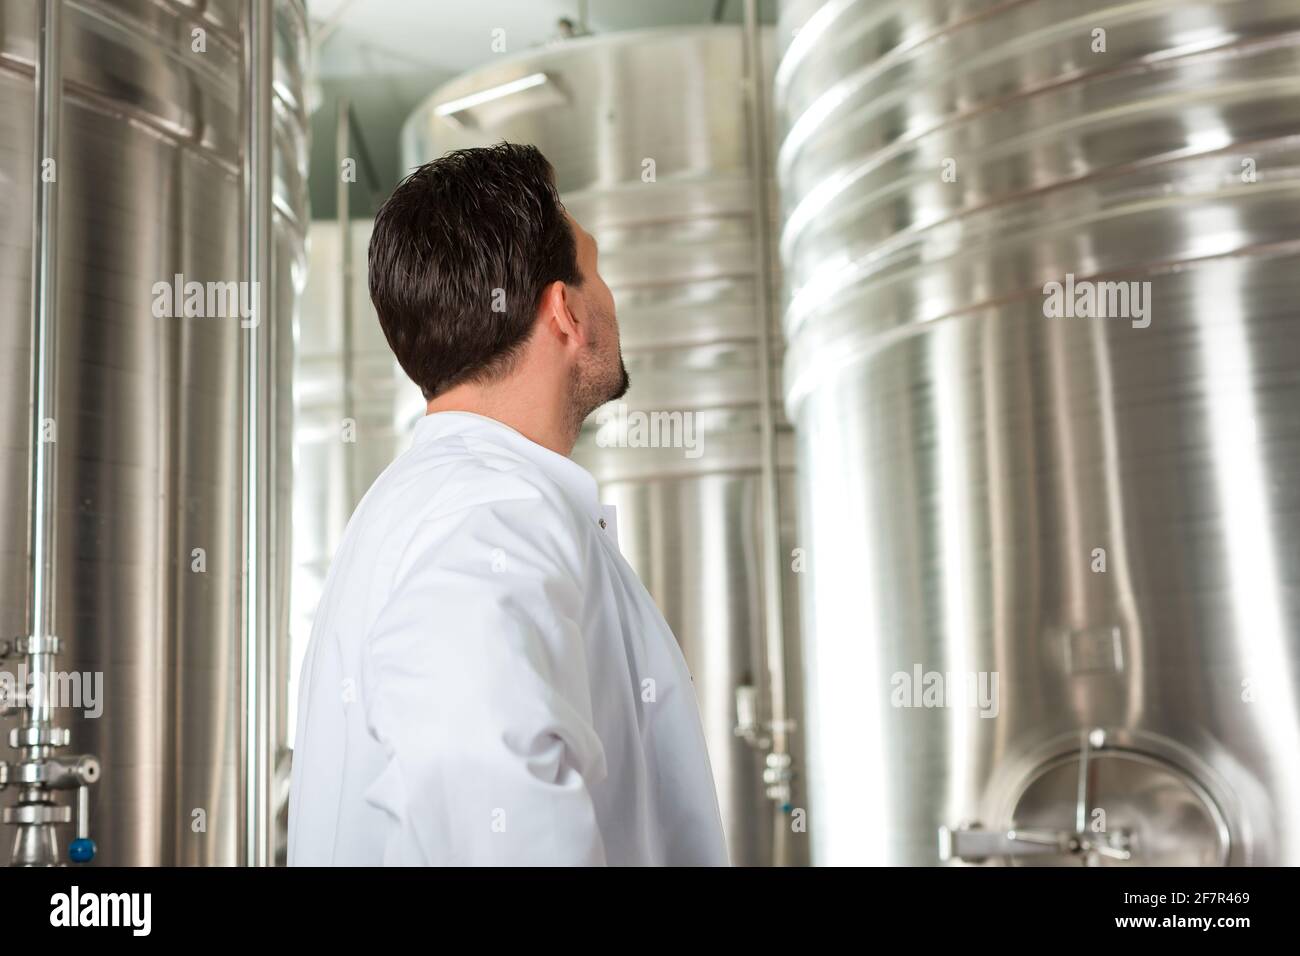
(358, 37)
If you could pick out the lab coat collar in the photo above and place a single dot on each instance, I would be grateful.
(575, 481)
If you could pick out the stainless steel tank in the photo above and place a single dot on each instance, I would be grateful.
(353, 414)
(1043, 261)
(647, 133)
(149, 466)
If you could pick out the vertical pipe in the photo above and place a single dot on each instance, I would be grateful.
(342, 142)
(256, 645)
(774, 604)
(37, 813)
(41, 520)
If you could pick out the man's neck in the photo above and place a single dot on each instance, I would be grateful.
(537, 420)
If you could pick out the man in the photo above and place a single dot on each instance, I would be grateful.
(487, 680)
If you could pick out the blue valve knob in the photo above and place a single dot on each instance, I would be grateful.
(81, 850)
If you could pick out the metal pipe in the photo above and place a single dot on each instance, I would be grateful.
(774, 604)
(322, 34)
(344, 211)
(255, 617)
(42, 510)
(358, 139)
(38, 774)
(83, 812)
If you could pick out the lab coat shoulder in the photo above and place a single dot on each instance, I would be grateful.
(483, 493)
(475, 671)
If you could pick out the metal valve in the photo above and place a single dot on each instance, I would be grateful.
(778, 770)
(748, 723)
(82, 849)
(36, 813)
(972, 843)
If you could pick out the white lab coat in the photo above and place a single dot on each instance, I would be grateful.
(488, 682)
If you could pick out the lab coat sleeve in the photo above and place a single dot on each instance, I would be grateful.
(475, 681)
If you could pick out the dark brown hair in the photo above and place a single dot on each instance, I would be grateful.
(460, 255)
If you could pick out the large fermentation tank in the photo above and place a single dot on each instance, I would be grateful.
(354, 410)
(148, 408)
(1000, 482)
(647, 133)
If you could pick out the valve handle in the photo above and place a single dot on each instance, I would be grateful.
(81, 850)
(974, 844)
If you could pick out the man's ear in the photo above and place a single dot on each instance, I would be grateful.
(558, 314)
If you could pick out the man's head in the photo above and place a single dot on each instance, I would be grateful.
(479, 274)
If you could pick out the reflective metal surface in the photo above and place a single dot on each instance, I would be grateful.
(148, 426)
(1158, 815)
(1101, 512)
(338, 450)
(647, 135)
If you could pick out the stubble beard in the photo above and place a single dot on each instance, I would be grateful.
(595, 382)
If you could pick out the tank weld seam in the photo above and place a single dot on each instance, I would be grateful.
(135, 29)
(190, 15)
(895, 54)
(849, 353)
(813, 119)
(676, 281)
(854, 272)
(803, 214)
(147, 123)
